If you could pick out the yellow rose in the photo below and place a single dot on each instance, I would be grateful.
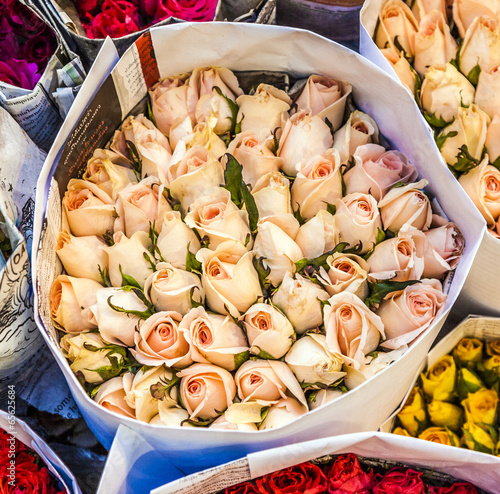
(440, 435)
(468, 350)
(439, 381)
(468, 382)
(493, 363)
(445, 414)
(413, 415)
(493, 347)
(401, 432)
(481, 407)
(478, 439)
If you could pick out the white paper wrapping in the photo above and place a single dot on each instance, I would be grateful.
(245, 47)
(481, 293)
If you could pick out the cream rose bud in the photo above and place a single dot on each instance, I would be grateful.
(312, 362)
(274, 242)
(318, 183)
(376, 170)
(346, 272)
(487, 95)
(448, 242)
(268, 330)
(282, 413)
(318, 236)
(482, 185)
(169, 416)
(396, 20)
(127, 256)
(469, 128)
(111, 396)
(82, 256)
(492, 142)
(358, 219)
(267, 381)
(214, 214)
(359, 129)
(223, 424)
(70, 303)
(299, 299)
(264, 111)
(170, 288)
(117, 326)
(481, 45)
(465, 12)
(324, 97)
(206, 390)
(204, 135)
(229, 278)
(254, 155)
(402, 67)
(141, 205)
(352, 329)
(160, 341)
(175, 239)
(88, 209)
(434, 44)
(422, 7)
(408, 313)
(214, 339)
(303, 137)
(444, 91)
(406, 206)
(141, 389)
(192, 172)
(323, 396)
(272, 195)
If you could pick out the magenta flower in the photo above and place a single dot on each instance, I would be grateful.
(19, 73)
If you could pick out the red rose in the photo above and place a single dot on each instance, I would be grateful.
(458, 488)
(29, 479)
(305, 478)
(19, 73)
(243, 488)
(117, 18)
(188, 10)
(399, 480)
(346, 476)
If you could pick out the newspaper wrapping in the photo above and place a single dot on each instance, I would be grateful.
(480, 293)
(92, 121)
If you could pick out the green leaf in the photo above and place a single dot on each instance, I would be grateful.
(135, 160)
(194, 303)
(128, 280)
(380, 236)
(140, 314)
(275, 141)
(192, 264)
(232, 106)
(264, 355)
(331, 208)
(465, 161)
(107, 372)
(240, 358)
(435, 121)
(263, 271)
(441, 138)
(496, 163)
(251, 206)
(317, 262)
(400, 48)
(151, 114)
(299, 217)
(147, 258)
(233, 178)
(109, 349)
(473, 75)
(161, 389)
(378, 291)
(418, 85)
(108, 238)
(104, 274)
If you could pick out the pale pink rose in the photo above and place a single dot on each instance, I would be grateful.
(303, 137)
(82, 256)
(352, 329)
(324, 97)
(358, 220)
(482, 185)
(346, 272)
(70, 302)
(159, 341)
(89, 210)
(272, 195)
(422, 7)
(214, 339)
(264, 111)
(204, 135)
(111, 396)
(229, 278)
(283, 412)
(206, 390)
(405, 72)
(408, 313)
(376, 170)
(466, 11)
(214, 214)
(254, 155)
(487, 95)
(140, 205)
(318, 236)
(434, 44)
(318, 183)
(448, 242)
(267, 381)
(492, 141)
(222, 423)
(406, 206)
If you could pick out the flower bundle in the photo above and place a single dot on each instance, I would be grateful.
(349, 474)
(26, 45)
(117, 18)
(22, 470)
(456, 400)
(447, 55)
(236, 260)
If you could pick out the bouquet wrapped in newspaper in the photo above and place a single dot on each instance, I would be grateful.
(233, 274)
(39, 75)
(447, 55)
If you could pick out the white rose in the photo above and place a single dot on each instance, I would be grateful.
(169, 416)
(492, 141)
(268, 330)
(323, 396)
(222, 423)
(299, 299)
(312, 362)
(466, 11)
(405, 72)
(272, 195)
(282, 413)
(204, 135)
(487, 95)
(111, 396)
(229, 278)
(319, 235)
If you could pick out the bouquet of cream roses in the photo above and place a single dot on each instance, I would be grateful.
(236, 259)
(447, 53)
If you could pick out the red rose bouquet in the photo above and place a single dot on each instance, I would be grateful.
(26, 45)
